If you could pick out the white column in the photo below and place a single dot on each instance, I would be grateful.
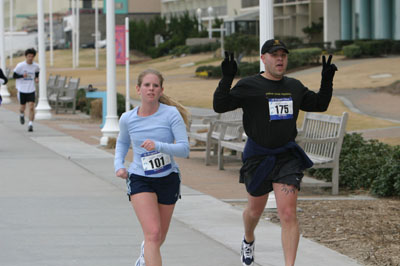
(266, 23)
(332, 22)
(77, 33)
(198, 13)
(43, 107)
(11, 32)
(51, 31)
(73, 33)
(3, 91)
(111, 127)
(210, 11)
(222, 30)
(266, 33)
(96, 33)
(127, 97)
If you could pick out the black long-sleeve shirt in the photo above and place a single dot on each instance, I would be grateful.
(259, 97)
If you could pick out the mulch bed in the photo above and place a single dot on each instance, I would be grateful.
(365, 230)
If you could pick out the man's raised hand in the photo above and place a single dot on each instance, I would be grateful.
(229, 66)
(328, 69)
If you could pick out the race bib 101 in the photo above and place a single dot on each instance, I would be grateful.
(155, 162)
(280, 108)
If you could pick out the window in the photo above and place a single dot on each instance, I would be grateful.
(250, 3)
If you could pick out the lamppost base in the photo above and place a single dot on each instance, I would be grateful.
(110, 130)
(5, 95)
(42, 111)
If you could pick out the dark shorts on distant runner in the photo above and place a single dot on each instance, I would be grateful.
(26, 97)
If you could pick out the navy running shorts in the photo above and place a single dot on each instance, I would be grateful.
(288, 170)
(167, 188)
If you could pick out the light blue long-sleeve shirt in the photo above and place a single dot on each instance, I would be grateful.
(168, 131)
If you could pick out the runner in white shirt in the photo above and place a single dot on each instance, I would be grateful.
(26, 74)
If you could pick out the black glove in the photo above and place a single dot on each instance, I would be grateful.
(328, 71)
(229, 66)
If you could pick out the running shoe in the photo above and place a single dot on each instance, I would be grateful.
(247, 253)
(30, 128)
(22, 119)
(140, 261)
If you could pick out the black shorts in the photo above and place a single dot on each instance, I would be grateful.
(26, 97)
(288, 170)
(167, 188)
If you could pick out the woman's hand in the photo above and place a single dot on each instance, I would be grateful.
(148, 145)
(122, 173)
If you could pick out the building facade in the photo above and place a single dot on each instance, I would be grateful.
(290, 16)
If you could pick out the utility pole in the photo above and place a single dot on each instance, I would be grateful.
(111, 126)
(43, 108)
(3, 91)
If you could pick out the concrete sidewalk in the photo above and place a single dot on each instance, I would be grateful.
(61, 204)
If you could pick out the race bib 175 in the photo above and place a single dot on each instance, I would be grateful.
(280, 108)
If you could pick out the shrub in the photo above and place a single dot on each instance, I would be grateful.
(180, 49)
(82, 103)
(387, 183)
(339, 44)
(366, 164)
(291, 42)
(121, 104)
(194, 49)
(96, 109)
(241, 44)
(94, 106)
(303, 57)
(352, 51)
(370, 48)
(395, 47)
(248, 69)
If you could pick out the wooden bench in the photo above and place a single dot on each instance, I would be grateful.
(53, 89)
(67, 96)
(321, 137)
(212, 129)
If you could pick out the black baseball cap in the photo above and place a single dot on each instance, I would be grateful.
(273, 45)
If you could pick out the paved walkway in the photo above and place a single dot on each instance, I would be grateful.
(60, 204)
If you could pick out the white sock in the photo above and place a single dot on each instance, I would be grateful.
(22, 115)
(30, 123)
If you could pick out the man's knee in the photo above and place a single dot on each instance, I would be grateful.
(254, 211)
(287, 215)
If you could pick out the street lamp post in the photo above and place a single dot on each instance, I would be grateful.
(266, 23)
(96, 33)
(43, 108)
(3, 91)
(111, 127)
(210, 11)
(51, 31)
(77, 39)
(198, 12)
(11, 32)
(73, 35)
(127, 96)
